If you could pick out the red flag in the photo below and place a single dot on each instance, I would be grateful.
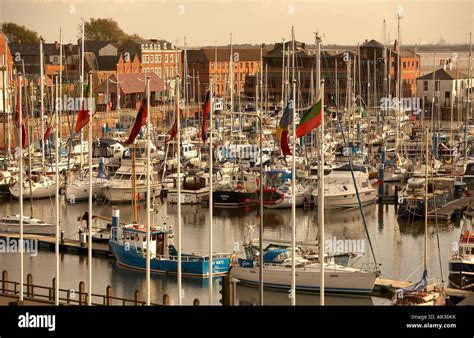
(140, 121)
(46, 134)
(82, 120)
(206, 109)
(174, 130)
(23, 125)
(285, 148)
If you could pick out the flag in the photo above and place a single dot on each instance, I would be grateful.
(311, 119)
(140, 120)
(174, 129)
(83, 116)
(282, 129)
(23, 125)
(206, 109)
(48, 129)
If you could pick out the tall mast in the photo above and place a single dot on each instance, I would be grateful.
(384, 61)
(320, 85)
(282, 74)
(42, 103)
(468, 110)
(89, 245)
(231, 70)
(57, 136)
(20, 146)
(425, 256)
(81, 84)
(399, 80)
(293, 178)
(211, 189)
(148, 189)
(178, 141)
(134, 185)
(60, 77)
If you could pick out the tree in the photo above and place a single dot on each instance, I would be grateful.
(18, 33)
(103, 29)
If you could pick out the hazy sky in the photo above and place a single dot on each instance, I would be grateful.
(204, 22)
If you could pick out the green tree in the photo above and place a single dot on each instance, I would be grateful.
(103, 29)
(18, 33)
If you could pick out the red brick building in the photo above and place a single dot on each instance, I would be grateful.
(206, 62)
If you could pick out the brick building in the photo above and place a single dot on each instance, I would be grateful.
(206, 62)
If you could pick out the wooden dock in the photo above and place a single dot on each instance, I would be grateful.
(69, 246)
(445, 212)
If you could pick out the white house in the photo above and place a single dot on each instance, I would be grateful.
(448, 86)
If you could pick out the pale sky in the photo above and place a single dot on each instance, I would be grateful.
(250, 21)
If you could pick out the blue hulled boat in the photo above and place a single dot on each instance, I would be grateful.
(129, 246)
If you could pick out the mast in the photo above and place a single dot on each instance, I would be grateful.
(42, 103)
(148, 190)
(134, 185)
(57, 197)
(399, 80)
(81, 84)
(211, 189)
(89, 245)
(282, 74)
(384, 60)
(60, 76)
(231, 70)
(293, 179)
(468, 110)
(425, 257)
(320, 85)
(178, 141)
(20, 146)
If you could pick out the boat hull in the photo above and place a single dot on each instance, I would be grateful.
(188, 196)
(232, 198)
(353, 282)
(37, 191)
(190, 266)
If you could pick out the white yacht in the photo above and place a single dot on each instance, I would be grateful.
(120, 187)
(41, 187)
(33, 226)
(339, 190)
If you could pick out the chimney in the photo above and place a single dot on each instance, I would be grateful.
(450, 64)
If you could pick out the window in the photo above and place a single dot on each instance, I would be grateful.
(166, 72)
(156, 70)
(404, 64)
(425, 86)
(171, 58)
(159, 58)
(156, 58)
(437, 83)
(171, 71)
(447, 95)
(159, 72)
(166, 58)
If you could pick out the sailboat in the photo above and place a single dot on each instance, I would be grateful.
(419, 293)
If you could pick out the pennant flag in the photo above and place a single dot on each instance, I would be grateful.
(206, 109)
(174, 130)
(48, 129)
(311, 119)
(47, 134)
(282, 129)
(24, 135)
(83, 116)
(140, 121)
